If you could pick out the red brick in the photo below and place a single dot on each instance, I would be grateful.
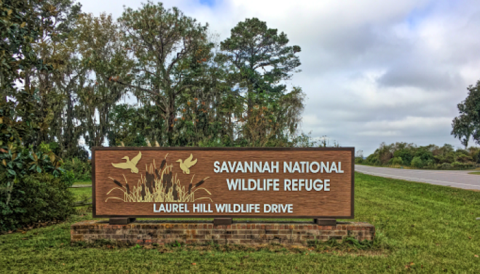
(201, 232)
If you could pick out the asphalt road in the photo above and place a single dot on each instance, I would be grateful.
(453, 178)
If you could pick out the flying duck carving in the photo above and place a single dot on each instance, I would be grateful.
(185, 165)
(130, 164)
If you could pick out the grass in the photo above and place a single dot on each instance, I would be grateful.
(83, 183)
(475, 173)
(421, 228)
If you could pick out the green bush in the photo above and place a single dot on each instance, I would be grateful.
(417, 162)
(82, 170)
(397, 161)
(430, 163)
(36, 198)
(405, 154)
(359, 160)
(445, 166)
(373, 159)
(458, 165)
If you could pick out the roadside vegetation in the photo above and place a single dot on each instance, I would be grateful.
(423, 157)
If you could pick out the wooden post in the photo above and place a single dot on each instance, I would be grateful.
(325, 222)
(222, 221)
(121, 221)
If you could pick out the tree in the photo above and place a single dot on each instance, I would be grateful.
(104, 56)
(467, 124)
(56, 47)
(253, 46)
(168, 48)
(20, 23)
(260, 60)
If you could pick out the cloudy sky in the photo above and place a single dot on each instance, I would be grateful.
(373, 71)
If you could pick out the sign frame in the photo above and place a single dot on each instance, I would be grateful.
(233, 149)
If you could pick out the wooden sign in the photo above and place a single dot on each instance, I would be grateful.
(223, 182)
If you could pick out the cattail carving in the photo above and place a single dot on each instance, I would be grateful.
(201, 182)
(143, 192)
(150, 181)
(117, 183)
(175, 192)
(167, 179)
(159, 182)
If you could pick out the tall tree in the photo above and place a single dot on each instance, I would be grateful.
(105, 57)
(56, 49)
(261, 57)
(261, 60)
(20, 25)
(167, 47)
(467, 124)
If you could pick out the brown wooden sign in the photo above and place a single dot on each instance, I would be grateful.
(223, 182)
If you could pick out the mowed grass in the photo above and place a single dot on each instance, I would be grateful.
(420, 228)
(83, 183)
(475, 173)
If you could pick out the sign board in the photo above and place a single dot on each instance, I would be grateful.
(223, 182)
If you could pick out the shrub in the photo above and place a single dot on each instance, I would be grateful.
(430, 163)
(405, 154)
(446, 166)
(417, 162)
(397, 161)
(82, 170)
(372, 159)
(36, 198)
(458, 165)
(358, 160)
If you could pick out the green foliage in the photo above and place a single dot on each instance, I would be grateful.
(359, 160)
(171, 51)
(467, 124)
(397, 161)
(260, 59)
(20, 23)
(78, 170)
(35, 198)
(417, 162)
(430, 157)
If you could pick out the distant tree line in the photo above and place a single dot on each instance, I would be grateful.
(428, 157)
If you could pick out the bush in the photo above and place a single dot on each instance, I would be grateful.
(430, 163)
(397, 161)
(36, 198)
(358, 160)
(446, 166)
(405, 154)
(82, 170)
(458, 165)
(417, 162)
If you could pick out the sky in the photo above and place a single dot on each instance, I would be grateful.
(372, 71)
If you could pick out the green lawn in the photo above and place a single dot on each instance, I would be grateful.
(420, 228)
(83, 183)
(82, 193)
(475, 173)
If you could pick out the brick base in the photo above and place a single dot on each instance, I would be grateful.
(149, 232)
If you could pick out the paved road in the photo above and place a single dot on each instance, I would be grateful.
(453, 178)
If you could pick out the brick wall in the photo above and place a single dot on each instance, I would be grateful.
(148, 232)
